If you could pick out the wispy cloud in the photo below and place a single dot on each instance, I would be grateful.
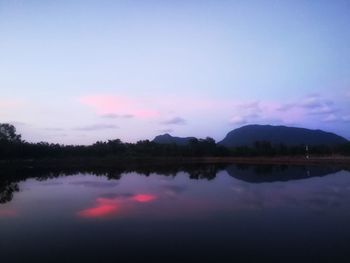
(166, 130)
(312, 102)
(330, 118)
(174, 121)
(346, 118)
(53, 129)
(245, 113)
(118, 106)
(238, 120)
(311, 107)
(96, 127)
(317, 105)
(117, 116)
(9, 103)
(19, 123)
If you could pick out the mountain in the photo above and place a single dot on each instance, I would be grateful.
(168, 139)
(247, 135)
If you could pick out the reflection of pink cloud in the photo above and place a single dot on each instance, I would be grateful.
(105, 207)
(108, 104)
(7, 213)
(143, 198)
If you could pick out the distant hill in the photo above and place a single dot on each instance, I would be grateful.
(249, 134)
(168, 139)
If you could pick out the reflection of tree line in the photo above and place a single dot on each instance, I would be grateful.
(11, 177)
(7, 189)
(244, 172)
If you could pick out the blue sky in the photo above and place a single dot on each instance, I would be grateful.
(79, 71)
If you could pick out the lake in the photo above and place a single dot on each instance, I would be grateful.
(202, 213)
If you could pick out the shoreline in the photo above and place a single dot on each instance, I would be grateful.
(110, 162)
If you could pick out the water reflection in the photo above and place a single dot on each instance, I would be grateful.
(248, 173)
(7, 190)
(104, 207)
(275, 173)
(144, 198)
(188, 214)
(7, 212)
(107, 207)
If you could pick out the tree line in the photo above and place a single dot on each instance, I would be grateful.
(13, 147)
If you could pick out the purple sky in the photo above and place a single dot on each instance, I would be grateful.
(75, 72)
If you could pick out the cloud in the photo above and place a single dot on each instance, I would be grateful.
(250, 106)
(309, 107)
(10, 103)
(118, 106)
(311, 102)
(174, 121)
(96, 127)
(346, 118)
(315, 104)
(238, 120)
(246, 112)
(166, 130)
(117, 116)
(19, 123)
(285, 107)
(53, 129)
(330, 118)
(312, 107)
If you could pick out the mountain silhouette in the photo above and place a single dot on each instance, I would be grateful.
(168, 139)
(249, 134)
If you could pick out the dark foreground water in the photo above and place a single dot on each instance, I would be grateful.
(202, 214)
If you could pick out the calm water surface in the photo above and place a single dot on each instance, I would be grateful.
(234, 214)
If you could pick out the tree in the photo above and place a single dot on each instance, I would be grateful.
(8, 133)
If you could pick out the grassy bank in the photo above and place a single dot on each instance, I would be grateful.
(110, 162)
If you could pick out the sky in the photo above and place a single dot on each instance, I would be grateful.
(79, 71)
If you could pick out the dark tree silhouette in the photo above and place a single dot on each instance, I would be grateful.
(12, 147)
(8, 133)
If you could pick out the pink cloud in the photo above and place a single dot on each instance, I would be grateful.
(109, 104)
(10, 103)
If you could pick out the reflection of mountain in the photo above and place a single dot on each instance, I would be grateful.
(248, 173)
(275, 173)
